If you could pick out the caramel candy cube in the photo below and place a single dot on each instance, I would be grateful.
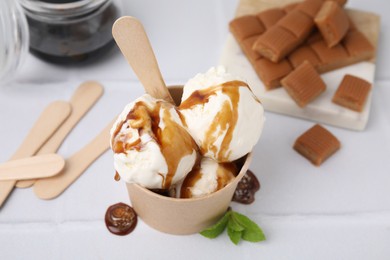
(246, 26)
(271, 16)
(340, 2)
(301, 54)
(314, 37)
(275, 43)
(357, 44)
(271, 73)
(246, 46)
(304, 84)
(297, 23)
(310, 7)
(331, 58)
(288, 8)
(317, 144)
(333, 22)
(352, 93)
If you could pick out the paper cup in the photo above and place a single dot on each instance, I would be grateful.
(183, 216)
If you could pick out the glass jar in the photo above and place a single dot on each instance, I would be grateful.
(13, 39)
(70, 31)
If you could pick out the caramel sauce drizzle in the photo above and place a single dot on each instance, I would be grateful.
(226, 172)
(225, 119)
(174, 141)
(191, 179)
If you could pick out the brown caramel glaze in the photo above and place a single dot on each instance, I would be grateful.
(246, 188)
(117, 177)
(225, 120)
(120, 219)
(174, 141)
(226, 172)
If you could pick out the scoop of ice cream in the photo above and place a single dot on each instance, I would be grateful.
(208, 178)
(150, 145)
(222, 114)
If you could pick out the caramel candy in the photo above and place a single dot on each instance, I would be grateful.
(340, 2)
(357, 45)
(310, 7)
(271, 73)
(275, 43)
(246, 46)
(271, 16)
(331, 58)
(288, 8)
(303, 53)
(333, 22)
(352, 93)
(246, 26)
(297, 23)
(317, 144)
(304, 84)
(314, 37)
(289, 32)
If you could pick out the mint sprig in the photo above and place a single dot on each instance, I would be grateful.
(238, 227)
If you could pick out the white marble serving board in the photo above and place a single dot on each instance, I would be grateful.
(321, 110)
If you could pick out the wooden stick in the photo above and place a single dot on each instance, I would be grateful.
(48, 122)
(132, 40)
(85, 96)
(50, 188)
(40, 166)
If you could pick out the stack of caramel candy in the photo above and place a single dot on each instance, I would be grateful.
(292, 45)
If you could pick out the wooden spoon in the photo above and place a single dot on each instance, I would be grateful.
(48, 122)
(85, 96)
(132, 40)
(50, 188)
(40, 166)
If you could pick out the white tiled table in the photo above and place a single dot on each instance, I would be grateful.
(340, 210)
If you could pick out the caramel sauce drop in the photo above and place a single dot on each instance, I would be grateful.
(117, 177)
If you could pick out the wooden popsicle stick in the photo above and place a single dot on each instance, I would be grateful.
(40, 166)
(49, 188)
(85, 96)
(134, 44)
(48, 122)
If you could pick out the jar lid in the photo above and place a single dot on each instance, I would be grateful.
(57, 10)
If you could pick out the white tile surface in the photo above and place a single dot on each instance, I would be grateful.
(340, 210)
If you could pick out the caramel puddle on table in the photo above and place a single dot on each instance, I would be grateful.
(174, 141)
(224, 121)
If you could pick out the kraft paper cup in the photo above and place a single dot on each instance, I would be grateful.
(184, 216)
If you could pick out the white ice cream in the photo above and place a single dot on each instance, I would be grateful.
(220, 140)
(208, 178)
(139, 151)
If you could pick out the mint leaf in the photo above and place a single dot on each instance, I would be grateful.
(234, 225)
(252, 231)
(238, 226)
(235, 236)
(218, 228)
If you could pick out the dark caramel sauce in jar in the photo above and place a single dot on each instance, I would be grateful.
(70, 31)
